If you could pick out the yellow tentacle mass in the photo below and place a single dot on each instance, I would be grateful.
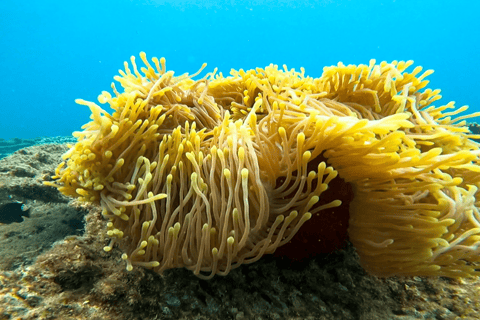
(209, 174)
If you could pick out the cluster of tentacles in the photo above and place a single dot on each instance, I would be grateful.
(209, 174)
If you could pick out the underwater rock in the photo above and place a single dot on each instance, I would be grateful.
(32, 216)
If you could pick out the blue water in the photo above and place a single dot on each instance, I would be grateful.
(52, 51)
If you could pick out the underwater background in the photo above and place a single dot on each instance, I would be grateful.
(52, 262)
(53, 52)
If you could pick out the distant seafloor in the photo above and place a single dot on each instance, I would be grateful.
(8, 147)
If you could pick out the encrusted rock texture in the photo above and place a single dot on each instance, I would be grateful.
(52, 266)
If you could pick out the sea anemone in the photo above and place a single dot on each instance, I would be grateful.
(209, 174)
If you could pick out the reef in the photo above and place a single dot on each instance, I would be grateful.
(54, 268)
(198, 179)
